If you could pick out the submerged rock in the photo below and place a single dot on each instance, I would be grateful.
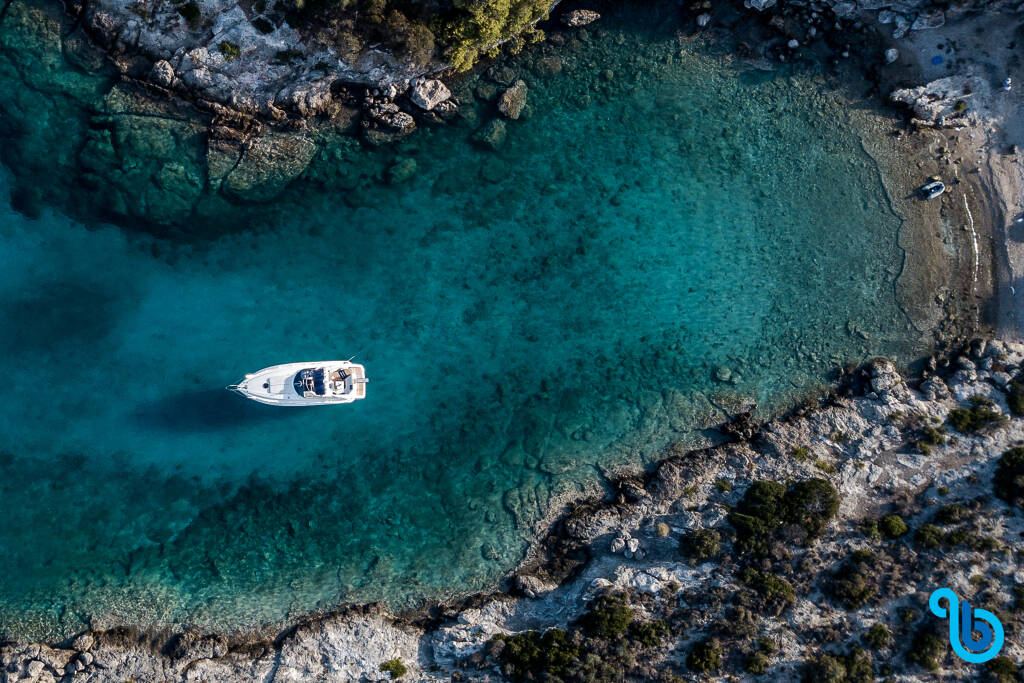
(492, 134)
(268, 164)
(402, 171)
(512, 101)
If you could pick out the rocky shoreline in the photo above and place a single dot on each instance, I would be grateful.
(236, 129)
(911, 463)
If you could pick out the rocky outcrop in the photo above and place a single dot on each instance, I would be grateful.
(250, 60)
(427, 93)
(384, 122)
(580, 17)
(266, 165)
(946, 101)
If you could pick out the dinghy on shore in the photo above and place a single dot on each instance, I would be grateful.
(314, 383)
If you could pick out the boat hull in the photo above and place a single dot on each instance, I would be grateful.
(274, 385)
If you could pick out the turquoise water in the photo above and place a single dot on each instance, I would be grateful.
(528, 318)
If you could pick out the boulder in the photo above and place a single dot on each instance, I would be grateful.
(759, 5)
(386, 123)
(267, 165)
(891, 55)
(943, 100)
(512, 101)
(428, 93)
(162, 73)
(530, 586)
(492, 134)
(930, 19)
(580, 17)
(401, 171)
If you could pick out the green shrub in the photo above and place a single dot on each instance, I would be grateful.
(853, 583)
(608, 617)
(934, 435)
(723, 485)
(705, 656)
(774, 594)
(1002, 670)
(1015, 398)
(192, 15)
(973, 419)
(649, 633)
(478, 24)
(824, 668)
(825, 466)
(870, 529)
(701, 545)
(229, 50)
(757, 664)
(1009, 477)
(767, 506)
(811, 504)
(958, 537)
(951, 514)
(852, 667)
(878, 637)
(893, 526)
(858, 667)
(394, 668)
(928, 536)
(927, 650)
(531, 654)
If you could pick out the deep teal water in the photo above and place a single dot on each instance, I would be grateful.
(528, 318)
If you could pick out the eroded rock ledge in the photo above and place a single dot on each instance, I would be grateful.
(806, 550)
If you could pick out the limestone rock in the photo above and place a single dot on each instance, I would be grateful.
(428, 93)
(512, 101)
(531, 586)
(930, 19)
(580, 17)
(944, 100)
(386, 123)
(402, 171)
(267, 165)
(162, 73)
(492, 134)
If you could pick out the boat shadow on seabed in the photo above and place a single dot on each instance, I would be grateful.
(205, 410)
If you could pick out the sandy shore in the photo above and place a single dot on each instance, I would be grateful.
(980, 162)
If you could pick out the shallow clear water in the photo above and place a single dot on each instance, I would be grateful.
(528, 318)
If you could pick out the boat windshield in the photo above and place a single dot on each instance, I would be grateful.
(311, 381)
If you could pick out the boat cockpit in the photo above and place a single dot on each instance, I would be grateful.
(317, 382)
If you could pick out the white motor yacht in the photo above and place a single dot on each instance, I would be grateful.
(315, 383)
